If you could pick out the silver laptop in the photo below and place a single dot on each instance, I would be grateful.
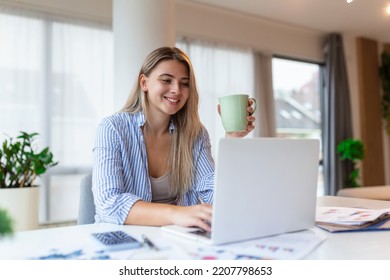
(263, 187)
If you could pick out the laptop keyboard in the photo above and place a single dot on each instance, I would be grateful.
(202, 232)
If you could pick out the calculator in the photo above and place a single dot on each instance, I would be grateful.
(116, 240)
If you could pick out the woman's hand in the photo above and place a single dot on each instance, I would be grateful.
(160, 214)
(193, 216)
(251, 119)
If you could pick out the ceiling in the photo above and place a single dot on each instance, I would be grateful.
(366, 18)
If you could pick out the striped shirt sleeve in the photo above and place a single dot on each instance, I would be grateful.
(114, 193)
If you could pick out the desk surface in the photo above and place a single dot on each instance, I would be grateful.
(339, 246)
(376, 192)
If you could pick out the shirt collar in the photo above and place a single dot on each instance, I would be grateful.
(140, 119)
(171, 127)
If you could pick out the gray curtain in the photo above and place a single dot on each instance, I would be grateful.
(336, 114)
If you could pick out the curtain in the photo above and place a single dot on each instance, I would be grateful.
(82, 94)
(219, 71)
(21, 72)
(265, 113)
(336, 115)
(55, 79)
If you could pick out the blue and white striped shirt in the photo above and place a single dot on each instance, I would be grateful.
(120, 171)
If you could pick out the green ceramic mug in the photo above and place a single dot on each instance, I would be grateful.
(234, 111)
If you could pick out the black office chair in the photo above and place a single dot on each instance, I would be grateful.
(87, 209)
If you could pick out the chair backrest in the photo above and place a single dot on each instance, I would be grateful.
(87, 209)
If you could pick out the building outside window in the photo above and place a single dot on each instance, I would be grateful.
(297, 94)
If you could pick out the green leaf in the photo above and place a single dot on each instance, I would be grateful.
(351, 149)
(5, 223)
(40, 170)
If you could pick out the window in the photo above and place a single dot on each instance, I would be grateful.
(297, 95)
(56, 79)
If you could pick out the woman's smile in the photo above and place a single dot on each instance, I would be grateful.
(171, 100)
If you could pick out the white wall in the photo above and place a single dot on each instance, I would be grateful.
(197, 21)
(100, 10)
(243, 30)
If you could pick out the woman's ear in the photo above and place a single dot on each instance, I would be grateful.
(143, 83)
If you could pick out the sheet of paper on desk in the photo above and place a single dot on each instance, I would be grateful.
(383, 225)
(71, 254)
(349, 216)
(287, 246)
(342, 219)
(167, 250)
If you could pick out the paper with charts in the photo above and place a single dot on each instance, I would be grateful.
(349, 218)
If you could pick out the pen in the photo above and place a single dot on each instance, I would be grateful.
(148, 242)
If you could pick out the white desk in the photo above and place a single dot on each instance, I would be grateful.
(369, 192)
(337, 246)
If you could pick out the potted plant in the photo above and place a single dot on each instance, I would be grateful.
(352, 150)
(20, 165)
(5, 223)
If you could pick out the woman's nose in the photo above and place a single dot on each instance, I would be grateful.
(175, 87)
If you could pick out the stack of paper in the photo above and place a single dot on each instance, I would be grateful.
(347, 219)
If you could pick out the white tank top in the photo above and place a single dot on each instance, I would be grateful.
(160, 189)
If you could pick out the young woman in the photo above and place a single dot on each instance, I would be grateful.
(152, 161)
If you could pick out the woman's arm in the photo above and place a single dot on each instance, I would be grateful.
(112, 198)
(159, 214)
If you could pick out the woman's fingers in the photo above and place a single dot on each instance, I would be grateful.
(197, 215)
(250, 110)
(203, 225)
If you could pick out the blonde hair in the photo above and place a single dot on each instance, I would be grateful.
(186, 120)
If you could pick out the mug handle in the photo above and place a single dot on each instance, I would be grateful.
(254, 105)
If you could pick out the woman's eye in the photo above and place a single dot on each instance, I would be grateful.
(185, 84)
(167, 81)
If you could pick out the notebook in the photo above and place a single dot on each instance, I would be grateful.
(263, 187)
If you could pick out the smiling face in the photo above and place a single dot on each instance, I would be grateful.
(167, 87)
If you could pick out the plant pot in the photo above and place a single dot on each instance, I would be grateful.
(22, 205)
